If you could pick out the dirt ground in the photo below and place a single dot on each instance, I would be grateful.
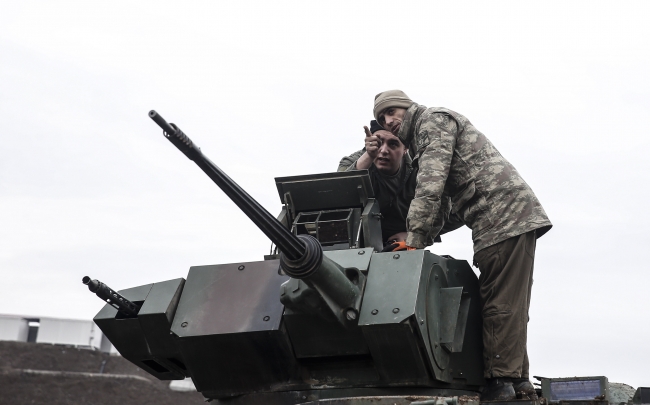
(18, 388)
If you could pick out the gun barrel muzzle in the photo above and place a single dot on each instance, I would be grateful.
(158, 119)
(112, 297)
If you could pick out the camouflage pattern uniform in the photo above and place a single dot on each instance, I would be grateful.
(461, 172)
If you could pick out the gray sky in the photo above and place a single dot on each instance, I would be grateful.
(89, 186)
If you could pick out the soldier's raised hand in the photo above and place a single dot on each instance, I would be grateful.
(372, 150)
(372, 144)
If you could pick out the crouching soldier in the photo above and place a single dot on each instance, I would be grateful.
(393, 180)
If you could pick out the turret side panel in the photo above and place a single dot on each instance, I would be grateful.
(229, 324)
(467, 365)
(387, 313)
(230, 298)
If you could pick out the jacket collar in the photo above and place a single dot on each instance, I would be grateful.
(407, 130)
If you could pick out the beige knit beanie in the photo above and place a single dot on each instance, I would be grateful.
(390, 98)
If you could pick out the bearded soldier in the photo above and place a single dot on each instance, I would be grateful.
(461, 173)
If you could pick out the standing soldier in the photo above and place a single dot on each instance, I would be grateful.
(462, 173)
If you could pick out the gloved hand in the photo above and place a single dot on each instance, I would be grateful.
(394, 246)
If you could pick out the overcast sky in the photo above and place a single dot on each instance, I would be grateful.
(89, 186)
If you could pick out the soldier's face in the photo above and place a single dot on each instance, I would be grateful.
(391, 151)
(392, 119)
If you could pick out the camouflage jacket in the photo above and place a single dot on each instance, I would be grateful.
(462, 173)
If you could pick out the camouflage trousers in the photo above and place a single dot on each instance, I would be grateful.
(505, 284)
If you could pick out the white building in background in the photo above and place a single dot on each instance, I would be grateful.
(14, 327)
(73, 332)
(70, 332)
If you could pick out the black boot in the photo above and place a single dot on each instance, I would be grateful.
(524, 389)
(498, 389)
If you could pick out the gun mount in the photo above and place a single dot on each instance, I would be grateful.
(349, 322)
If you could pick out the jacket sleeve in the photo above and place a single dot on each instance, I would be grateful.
(436, 140)
(349, 163)
(452, 223)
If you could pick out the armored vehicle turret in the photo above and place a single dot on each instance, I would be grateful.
(328, 318)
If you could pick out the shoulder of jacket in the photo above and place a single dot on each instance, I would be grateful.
(434, 113)
(444, 116)
(436, 118)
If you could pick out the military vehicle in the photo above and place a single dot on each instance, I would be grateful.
(326, 318)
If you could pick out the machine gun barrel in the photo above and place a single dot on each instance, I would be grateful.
(288, 243)
(301, 256)
(112, 297)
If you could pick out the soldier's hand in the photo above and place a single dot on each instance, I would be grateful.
(394, 246)
(391, 245)
(372, 144)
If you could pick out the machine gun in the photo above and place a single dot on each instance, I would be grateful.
(349, 322)
(111, 297)
(301, 255)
